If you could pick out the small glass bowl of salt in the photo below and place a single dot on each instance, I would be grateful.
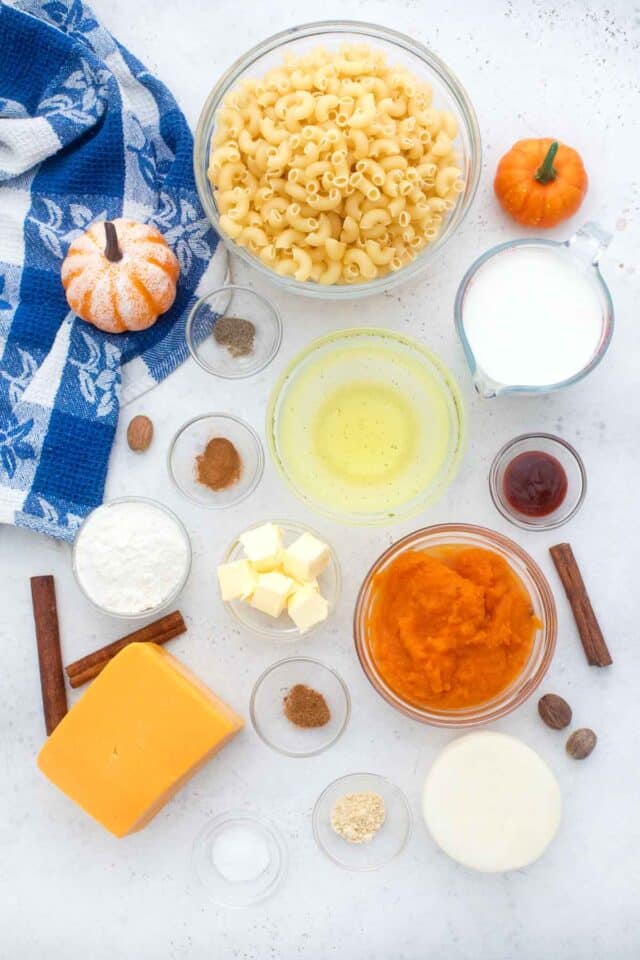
(239, 858)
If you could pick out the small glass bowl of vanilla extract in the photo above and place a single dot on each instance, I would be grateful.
(537, 481)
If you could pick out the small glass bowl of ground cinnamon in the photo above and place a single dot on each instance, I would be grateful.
(216, 460)
(300, 707)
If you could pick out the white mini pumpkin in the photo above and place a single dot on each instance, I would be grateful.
(120, 275)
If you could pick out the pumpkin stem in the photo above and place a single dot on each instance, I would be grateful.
(546, 172)
(112, 249)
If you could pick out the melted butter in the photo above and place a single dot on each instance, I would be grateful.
(365, 433)
(366, 430)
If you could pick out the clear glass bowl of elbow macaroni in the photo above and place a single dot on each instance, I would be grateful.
(337, 158)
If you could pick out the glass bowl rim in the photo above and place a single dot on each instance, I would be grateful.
(259, 456)
(406, 806)
(479, 262)
(241, 375)
(272, 828)
(317, 663)
(520, 692)
(445, 75)
(519, 520)
(265, 632)
(180, 586)
(421, 500)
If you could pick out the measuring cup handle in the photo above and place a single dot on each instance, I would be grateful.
(590, 241)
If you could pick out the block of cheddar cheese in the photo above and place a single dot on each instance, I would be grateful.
(143, 727)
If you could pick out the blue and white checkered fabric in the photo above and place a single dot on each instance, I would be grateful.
(86, 133)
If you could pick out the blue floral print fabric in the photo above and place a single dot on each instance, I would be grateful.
(86, 133)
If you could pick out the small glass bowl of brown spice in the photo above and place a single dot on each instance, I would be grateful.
(233, 332)
(300, 707)
(216, 460)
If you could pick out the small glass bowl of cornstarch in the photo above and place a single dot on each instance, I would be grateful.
(362, 821)
(131, 557)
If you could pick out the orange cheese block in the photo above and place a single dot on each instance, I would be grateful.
(144, 726)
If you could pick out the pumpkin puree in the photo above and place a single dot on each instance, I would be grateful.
(451, 628)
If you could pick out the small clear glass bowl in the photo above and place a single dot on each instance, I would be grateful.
(233, 301)
(249, 884)
(266, 707)
(190, 442)
(390, 839)
(180, 582)
(448, 94)
(568, 459)
(542, 603)
(283, 627)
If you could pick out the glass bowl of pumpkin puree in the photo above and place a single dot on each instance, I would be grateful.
(455, 625)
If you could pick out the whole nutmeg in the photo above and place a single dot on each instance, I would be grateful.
(140, 433)
(555, 711)
(581, 743)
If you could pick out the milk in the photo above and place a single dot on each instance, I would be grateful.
(532, 316)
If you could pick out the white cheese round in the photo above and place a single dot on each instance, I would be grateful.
(491, 803)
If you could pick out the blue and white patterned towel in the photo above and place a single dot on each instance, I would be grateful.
(86, 133)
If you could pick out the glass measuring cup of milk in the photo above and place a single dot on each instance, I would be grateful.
(535, 315)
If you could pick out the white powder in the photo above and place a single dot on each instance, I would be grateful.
(130, 557)
(240, 854)
(532, 317)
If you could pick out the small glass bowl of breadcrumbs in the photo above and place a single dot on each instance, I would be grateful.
(362, 821)
(233, 332)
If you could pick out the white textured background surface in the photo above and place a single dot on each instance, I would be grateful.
(69, 890)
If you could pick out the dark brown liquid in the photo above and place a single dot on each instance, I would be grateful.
(535, 483)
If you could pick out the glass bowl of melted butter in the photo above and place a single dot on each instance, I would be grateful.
(366, 426)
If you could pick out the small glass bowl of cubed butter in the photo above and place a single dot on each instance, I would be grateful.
(279, 579)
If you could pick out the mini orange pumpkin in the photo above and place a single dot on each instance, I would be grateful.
(120, 275)
(540, 182)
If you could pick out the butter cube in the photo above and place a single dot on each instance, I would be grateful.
(263, 546)
(141, 729)
(306, 558)
(271, 593)
(307, 607)
(237, 580)
(296, 584)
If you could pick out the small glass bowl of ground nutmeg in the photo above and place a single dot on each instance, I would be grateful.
(216, 460)
(300, 707)
(362, 821)
(233, 332)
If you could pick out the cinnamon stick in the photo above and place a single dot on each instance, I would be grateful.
(45, 615)
(162, 630)
(593, 641)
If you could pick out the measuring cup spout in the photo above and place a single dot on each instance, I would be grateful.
(485, 386)
(589, 242)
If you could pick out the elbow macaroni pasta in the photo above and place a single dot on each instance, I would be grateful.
(334, 167)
